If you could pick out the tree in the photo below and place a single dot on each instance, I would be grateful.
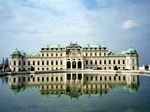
(6, 64)
(2, 65)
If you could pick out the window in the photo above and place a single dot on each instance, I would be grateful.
(19, 79)
(56, 62)
(100, 78)
(123, 61)
(51, 62)
(133, 67)
(38, 79)
(51, 78)
(95, 78)
(14, 62)
(114, 77)
(86, 62)
(42, 62)
(86, 78)
(28, 62)
(19, 62)
(51, 54)
(61, 79)
(100, 62)
(47, 55)
(56, 54)
(95, 62)
(105, 78)
(56, 78)
(38, 62)
(60, 54)
(61, 62)
(47, 62)
(110, 78)
(104, 61)
(42, 54)
(118, 61)
(33, 62)
(47, 79)
(33, 79)
(109, 61)
(91, 62)
(114, 62)
(124, 78)
(95, 54)
(14, 80)
(91, 78)
(86, 54)
(42, 79)
(119, 78)
(90, 54)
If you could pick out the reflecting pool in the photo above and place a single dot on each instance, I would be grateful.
(74, 92)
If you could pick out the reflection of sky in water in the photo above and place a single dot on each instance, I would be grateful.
(116, 99)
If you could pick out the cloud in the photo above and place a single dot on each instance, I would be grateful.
(62, 21)
(129, 24)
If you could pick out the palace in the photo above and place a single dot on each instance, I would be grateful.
(74, 57)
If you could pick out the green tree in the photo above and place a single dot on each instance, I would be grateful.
(6, 64)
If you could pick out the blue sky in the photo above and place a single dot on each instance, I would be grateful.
(118, 24)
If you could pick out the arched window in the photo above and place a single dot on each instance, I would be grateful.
(68, 64)
(79, 64)
(73, 64)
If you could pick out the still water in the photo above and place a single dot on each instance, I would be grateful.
(75, 93)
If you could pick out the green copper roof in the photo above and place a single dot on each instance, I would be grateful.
(92, 46)
(16, 52)
(54, 46)
(73, 46)
(32, 54)
(129, 51)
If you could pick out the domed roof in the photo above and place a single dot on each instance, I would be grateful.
(16, 52)
(131, 51)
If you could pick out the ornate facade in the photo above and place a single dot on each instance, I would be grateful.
(73, 57)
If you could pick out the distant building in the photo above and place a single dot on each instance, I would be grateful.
(73, 57)
(144, 67)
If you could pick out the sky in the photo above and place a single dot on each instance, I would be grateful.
(117, 24)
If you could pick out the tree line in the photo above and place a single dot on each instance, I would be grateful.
(4, 66)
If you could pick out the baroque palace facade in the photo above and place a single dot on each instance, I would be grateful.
(73, 57)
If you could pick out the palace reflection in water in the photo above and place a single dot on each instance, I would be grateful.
(73, 84)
